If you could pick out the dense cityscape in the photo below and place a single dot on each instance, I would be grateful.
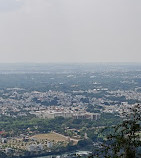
(70, 79)
(63, 111)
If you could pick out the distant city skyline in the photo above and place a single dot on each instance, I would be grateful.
(70, 31)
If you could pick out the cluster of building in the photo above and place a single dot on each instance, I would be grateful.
(25, 143)
(131, 94)
(16, 102)
(66, 112)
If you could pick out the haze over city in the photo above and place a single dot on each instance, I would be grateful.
(70, 31)
(70, 78)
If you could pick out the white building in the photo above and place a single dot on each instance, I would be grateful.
(66, 113)
(49, 144)
(34, 147)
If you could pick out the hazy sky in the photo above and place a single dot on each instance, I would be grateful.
(70, 30)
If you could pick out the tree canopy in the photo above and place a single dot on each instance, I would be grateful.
(125, 140)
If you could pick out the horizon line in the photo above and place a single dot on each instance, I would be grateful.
(99, 62)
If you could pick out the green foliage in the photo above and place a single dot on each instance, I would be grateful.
(84, 143)
(3, 155)
(20, 125)
(125, 139)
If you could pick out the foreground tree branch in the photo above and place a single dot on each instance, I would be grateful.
(126, 137)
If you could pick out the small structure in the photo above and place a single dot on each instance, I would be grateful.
(34, 147)
(49, 144)
(83, 153)
(4, 140)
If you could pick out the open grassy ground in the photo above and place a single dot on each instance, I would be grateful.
(18, 143)
(51, 137)
(54, 137)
